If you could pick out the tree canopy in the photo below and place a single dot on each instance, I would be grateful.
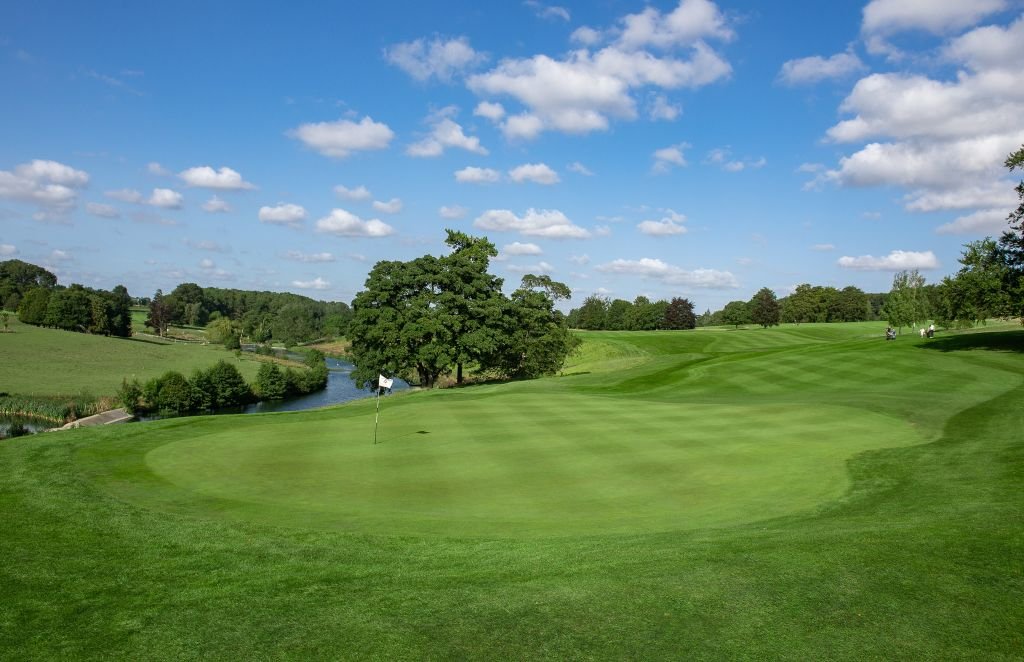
(424, 317)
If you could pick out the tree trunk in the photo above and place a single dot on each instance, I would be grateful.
(458, 373)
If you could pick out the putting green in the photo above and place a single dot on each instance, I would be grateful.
(525, 465)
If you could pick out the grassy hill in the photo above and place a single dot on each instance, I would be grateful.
(809, 492)
(40, 361)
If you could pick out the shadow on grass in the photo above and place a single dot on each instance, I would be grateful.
(149, 341)
(999, 341)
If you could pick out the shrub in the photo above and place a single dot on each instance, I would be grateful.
(174, 393)
(129, 395)
(270, 383)
(228, 384)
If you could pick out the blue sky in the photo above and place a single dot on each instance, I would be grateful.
(695, 148)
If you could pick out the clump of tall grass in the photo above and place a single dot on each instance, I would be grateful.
(52, 408)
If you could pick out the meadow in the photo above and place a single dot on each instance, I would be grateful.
(41, 361)
(805, 492)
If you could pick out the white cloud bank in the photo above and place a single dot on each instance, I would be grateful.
(549, 223)
(438, 58)
(283, 214)
(346, 224)
(224, 179)
(895, 261)
(341, 138)
(656, 269)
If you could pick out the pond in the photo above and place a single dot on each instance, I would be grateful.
(340, 388)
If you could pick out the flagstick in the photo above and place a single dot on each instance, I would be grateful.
(376, 417)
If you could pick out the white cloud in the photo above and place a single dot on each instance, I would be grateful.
(517, 248)
(669, 274)
(101, 210)
(539, 268)
(51, 185)
(8, 249)
(997, 194)
(474, 175)
(392, 206)
(583, 91)
(434, 59)
(283, 214)
(548, 11)
(452, 212)
(587, 36)
(224, 178)
(216, 206)
(445, 133)
(815, 69)
(317, 283)
(207, 264)
(738, 166)
(299, 256)
(125, 195)
(58, 255)
(668, 225)
(982, 222)
(491, 111)
(347, 224)
(894, 261)
(686, 25)
(155, 168)
(581, 260)
(580, 169)
(891, 16)
(666, 157)
(165, 198)
(823, 247)
(539, 173)
(552, 223)
(356, 194)
(659, 108)
(340, 138)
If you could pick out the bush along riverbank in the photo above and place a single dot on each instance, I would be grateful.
(59, 409)
(221, 387)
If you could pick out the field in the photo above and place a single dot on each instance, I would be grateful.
(39, 361)
(806, 492)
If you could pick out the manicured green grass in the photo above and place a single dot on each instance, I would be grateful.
(809, 492)
(44, 361)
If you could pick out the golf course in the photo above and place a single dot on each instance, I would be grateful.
(808, 491)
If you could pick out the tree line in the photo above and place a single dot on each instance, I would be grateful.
(34, 293)
(259, 316)
(425, 318)
(642, 314)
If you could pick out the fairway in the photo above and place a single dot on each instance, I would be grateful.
(529, 465)
(805, 492)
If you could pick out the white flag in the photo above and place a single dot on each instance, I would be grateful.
(384, 382)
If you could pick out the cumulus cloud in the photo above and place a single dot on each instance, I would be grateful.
(660, 108)
(346, 224)
(125, 195)
(474, 175)
(155, 168)
(538, 268)
(392, 206)
(343, 137)
(216, 206)
(895, 261)
(438, 58)
(356, 194)
(666, 157)
(207, 264)
(581, 260)
(982, 222)
(50, 185)
(452, 212)
(580, 169)
(538, 173)
(491, 111)
(668, 225)
(223, 178)
(585, 90)
(165, 198)
(317, 283)
(283, 214)
(887, 17)
(299, 256)
(517, 248)
(549, 223)
(101, 210)
(445, 132)
(655, 269)
(8, 249)
(814, 69)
